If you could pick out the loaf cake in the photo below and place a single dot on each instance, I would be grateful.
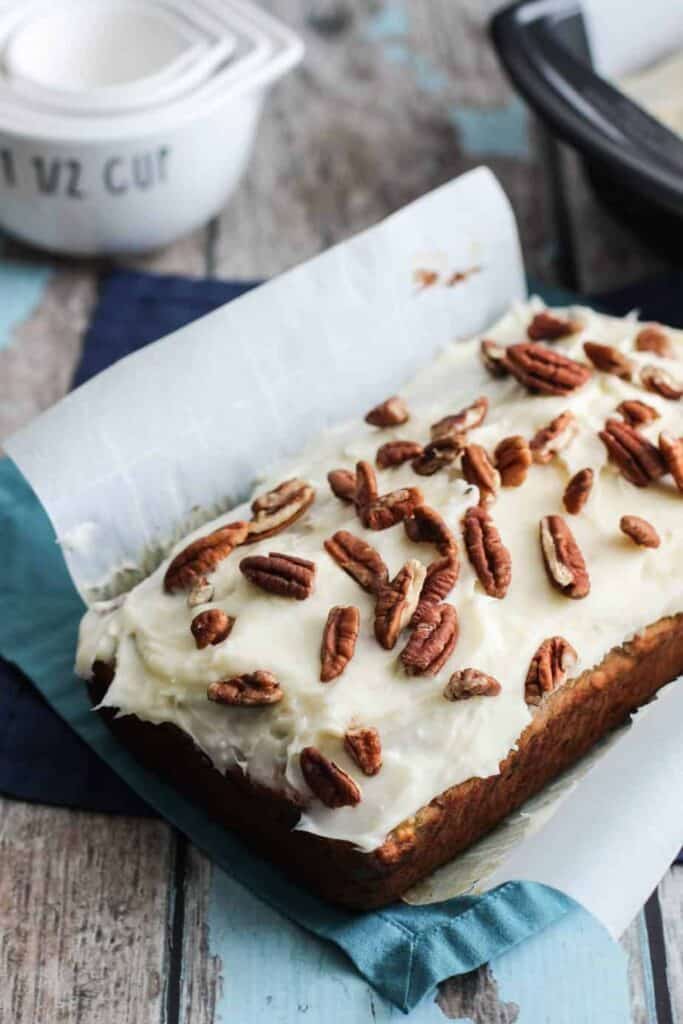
(411, 629)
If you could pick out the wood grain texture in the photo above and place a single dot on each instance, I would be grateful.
(671, 903)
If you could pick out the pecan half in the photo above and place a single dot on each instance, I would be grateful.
(665, 384)
(636, 413)
(192, 564)
(396, 603)
(391, 508)
(365, 748)
(395, 453)
(478, 470)
(486, 551)
(547, 326)
(211, 627)
(442, 575)
(640, 531)
(672, 449)
(279, 574)
(544, 371)
(391, 413)
(427, 526)
(553, 438)
(654, 338)
(328, 781)
(279, 508)
(438, 454)
(638, 460)
(549, 668)
(432, 641)
(250, 690)
(366, 485)
(460, 422)
(470, 682)
(493, 357)
(563, 559)
(342, 484)
(609, 359)
(359, 559)
(512, 458)
(577, 491)
(339, 641)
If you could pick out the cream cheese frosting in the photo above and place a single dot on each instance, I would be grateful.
(429, 744)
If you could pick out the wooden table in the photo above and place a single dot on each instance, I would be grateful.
(106, 920)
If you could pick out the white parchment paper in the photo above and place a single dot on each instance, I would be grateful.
(625, 37)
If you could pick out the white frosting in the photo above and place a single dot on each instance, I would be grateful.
(428, 743)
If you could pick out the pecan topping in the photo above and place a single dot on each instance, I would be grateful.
(201, 593)
(342, 484)
(636, 413)
(391, 508)
(563, 559)
(493, 357)
(366, 485)
(365, 748)
(577, 491)
(442, 575)
(638, 460)
(432, 641)
(512, 458)
(487, 553)
(327, 780)
(549, 668)
(655, 379)
(279, 508)
(253, 689)
(438, 454)
(359, 559)
(190, 567)
(654, 338)
(544, 371)
(339, 641)
(470, 682)
(547, 326)
(478, 470)
(460, 422)
(395, 453)
(550, 440)
(211, 627)
(396, 603)
(391, 413)
(608, 359)
(672, 449)
(640, 531)
(427, 526)
(279, 574)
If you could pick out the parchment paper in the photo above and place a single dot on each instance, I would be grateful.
(625, 37)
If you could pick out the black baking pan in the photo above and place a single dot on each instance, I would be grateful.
(633, 161)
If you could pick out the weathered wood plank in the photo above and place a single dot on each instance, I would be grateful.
(671, 904)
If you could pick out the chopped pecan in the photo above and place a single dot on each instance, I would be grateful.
(201, 593)
(391, 413)
(359, 559)
(486, 551)
(460, 422)
(342, 484)
(211, 627)
(609, 359)
(366, 485)
(191, 565)
(672, 449)
(542, 370)
(396, 603)
(250, 690)
(512, 459)
(638, 460)
(654, 338)
(493, 357)
(427, 526)
(636, 413)
(339, 641)
(547, 326)
(665, 384)
(365, 748)
(279, 574)
(425, 278)
(395, 453)
(577, 491)
(391, 508)
(549, 668)
(563, 559)
(553, 438)
(438, 454)
(470, 682)
(432, 641)
(640, 531)
(327, 780)
(279, 508)
(478, 470)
